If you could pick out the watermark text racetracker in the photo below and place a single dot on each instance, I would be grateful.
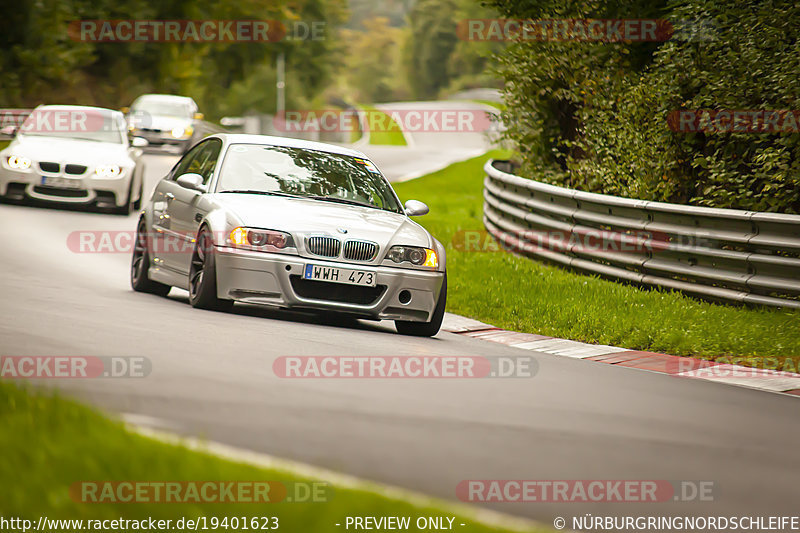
(577, 239)
(58, 120)
(584, 490)
(115, 242)
(203, 492)
(771, 121)
(585, 30)
(413, 120)
(198, 31)
(410, 367)
(73, 367)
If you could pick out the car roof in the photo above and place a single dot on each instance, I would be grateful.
(78, 107)
(246, 138)
(164, 97)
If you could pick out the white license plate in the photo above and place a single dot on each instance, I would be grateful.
(63, 183)
(340, 275)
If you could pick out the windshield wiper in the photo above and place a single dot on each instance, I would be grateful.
(265, 193)
(342, 201)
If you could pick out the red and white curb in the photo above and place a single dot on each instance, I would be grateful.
(754, 378)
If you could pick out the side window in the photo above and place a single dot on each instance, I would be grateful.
(184, 165)
(210, 163)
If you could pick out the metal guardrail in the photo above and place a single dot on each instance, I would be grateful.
(718, 254)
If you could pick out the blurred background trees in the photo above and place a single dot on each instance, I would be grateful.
(581, 114)
(371, 51)
(594, 115)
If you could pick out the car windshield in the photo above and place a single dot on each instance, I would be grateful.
(88, 124)
(256, 168)
(162, 108)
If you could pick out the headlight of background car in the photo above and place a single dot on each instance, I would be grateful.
(182, 132)
(17, 162)
(261, 239)
(414, 255)
(107, 171)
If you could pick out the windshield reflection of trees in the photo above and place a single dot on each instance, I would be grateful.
(331, 175)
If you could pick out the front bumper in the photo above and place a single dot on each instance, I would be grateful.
(162, 140)
(276, 280)
(87, 189)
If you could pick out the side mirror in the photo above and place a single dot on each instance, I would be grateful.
(139, 142)
(9, 131)
(125, 110)
(191, 181)
(415, 208)
(199, 116)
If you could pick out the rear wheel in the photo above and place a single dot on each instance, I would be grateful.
(203, 275)
(140, 265)
(426, 329)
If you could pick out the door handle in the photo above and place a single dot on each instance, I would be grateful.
(170, 196)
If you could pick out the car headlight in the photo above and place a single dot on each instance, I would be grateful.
(414, 255)
(261, 239)
(107, 171)
(182, 132)
(17, 162)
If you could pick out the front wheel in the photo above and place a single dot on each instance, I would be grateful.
(203, 276)
(426, 329)
(140, 265)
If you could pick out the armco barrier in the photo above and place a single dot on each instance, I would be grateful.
(719, 254)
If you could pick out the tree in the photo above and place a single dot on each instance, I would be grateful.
(432, 41)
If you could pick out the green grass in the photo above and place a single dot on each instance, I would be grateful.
(49, 443)
(517, 293)
(384, 129)
(500, 106)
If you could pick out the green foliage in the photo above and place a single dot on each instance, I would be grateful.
(372, 62)
(427, 53)
(43, 63)
(594, 115)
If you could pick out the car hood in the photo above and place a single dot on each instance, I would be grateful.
(60, 150)
(302, 217)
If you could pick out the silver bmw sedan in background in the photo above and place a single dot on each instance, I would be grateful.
(76, 155)
(292, 224)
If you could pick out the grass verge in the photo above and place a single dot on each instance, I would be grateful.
(49, 443)
(500, 106)
(519, 294)
(382, 129)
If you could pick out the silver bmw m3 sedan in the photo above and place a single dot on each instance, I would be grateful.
(292, 224)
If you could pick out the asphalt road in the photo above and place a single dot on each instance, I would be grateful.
(434, 144)
(212, 377)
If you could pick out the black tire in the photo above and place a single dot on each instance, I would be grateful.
(203, 275)
(140, 265)
(426, 329)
